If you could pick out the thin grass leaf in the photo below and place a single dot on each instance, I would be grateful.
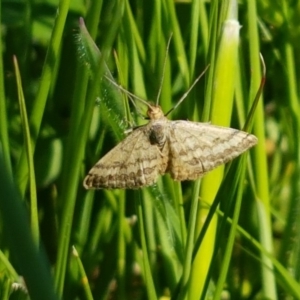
(291, 232)
(179, 45)
(133, 30)
(83, 277)
(260, 165)
(111, 99)
(5, 288)
(44, 89)
(250, 119)
(31, 260)
(211, 59)
(103, 225)
(68, 195)
(132, 42)
(4, 147)
(222, 101)
(121, 250)
(9, 269)
(239, 177)
(187, 264)
(34, 220)
(151, 292)
(155, 36)
(195, 14)
(166, 224)
(164, 208)
(291, 285)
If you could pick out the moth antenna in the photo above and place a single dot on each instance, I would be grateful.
(163, 70)
(131, 95)
(187, 92)
(136, 108)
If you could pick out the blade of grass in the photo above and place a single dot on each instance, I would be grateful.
(31, 261)
(121, 264)
(11, 272)
(155, 36)
(187, 265)
(222, 101)
(239, 177)
(292, 286)
(34, 220)
(177, 197)
(260, 165)
(83, 277)
(132, 42)
(131, 25)
(203, 24)
(43, 92)
(4, 147)
(151, 293)
(290, 233)
(195, 12)
(167, 229)
(211, 59)
(69, 192)
(179, 45)
(6, 287)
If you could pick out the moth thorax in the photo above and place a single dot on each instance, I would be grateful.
(155, 112)
(157, 135)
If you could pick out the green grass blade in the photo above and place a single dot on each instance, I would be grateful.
(84, 115)
(195, 12)
(83, 277)
(239, 177)
(179, 45)
(260, 165)
(187, 264)
(222, 101)
(284, 276)
(292, 228)
(9, 269)
(146, 262)
(68, 195)
(34, 220)
(31, 260)
(45, 84)
(4, 146)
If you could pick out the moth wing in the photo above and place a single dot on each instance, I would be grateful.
(133, 163)
(196, 148)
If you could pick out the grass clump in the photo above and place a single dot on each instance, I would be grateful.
(234, 232)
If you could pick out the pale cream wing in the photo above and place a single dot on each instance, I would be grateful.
(196, 148)
(133, 163)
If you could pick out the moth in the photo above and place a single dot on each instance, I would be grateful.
(184, 149)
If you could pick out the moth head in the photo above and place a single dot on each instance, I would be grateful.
(155, 112)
